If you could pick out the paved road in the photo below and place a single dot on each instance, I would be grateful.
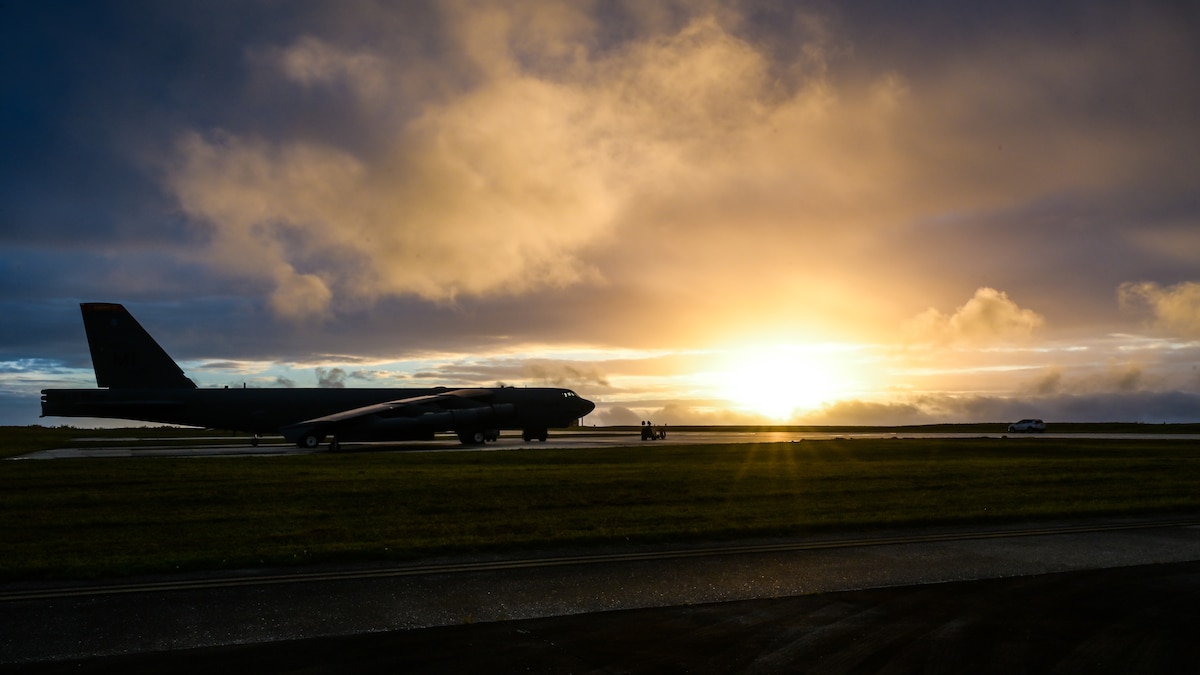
(559, 440)
(1119, 621)
(1100, 601)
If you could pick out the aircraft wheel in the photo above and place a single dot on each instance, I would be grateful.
(309, 441)
(471, 437)
(334, 446)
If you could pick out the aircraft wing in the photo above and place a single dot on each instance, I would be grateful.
(459, 398)
(415, 416)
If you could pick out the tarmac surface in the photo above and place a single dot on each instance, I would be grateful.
(1119, 597)
(559, 440)
(1128, 620)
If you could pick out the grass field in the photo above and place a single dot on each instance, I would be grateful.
(91, 518)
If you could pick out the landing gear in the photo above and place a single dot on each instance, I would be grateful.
(254, 440)
(334, 446)
(531, 434)
(471, 437)
(478, 436)
(310, 441)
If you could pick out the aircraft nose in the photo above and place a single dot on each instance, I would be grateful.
(583, 407)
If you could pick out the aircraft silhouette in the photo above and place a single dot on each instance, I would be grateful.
(139, 381)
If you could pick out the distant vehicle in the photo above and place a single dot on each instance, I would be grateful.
(139, 381)
(1028, 426)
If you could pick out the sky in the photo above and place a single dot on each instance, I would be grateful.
(692, 212)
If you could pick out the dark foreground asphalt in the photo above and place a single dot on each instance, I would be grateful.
(1140, 619)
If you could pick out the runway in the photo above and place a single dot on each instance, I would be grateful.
(559, 440)
(1118, 621)
(831, 604)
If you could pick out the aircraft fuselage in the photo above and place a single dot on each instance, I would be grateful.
(265, 411)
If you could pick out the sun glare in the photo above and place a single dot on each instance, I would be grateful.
(778, 382)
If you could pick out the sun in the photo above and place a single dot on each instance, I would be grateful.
(780, 381)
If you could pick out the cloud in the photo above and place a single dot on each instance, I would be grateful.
(1049, 383)
(683, 413)
(493, 192)
(989, 316)
(371, 375)
(331, 378)
(565, 374)
(868, 413)
(1127, 377)
(313, 63)
(1176, 308)
(613, 416)
(500, 188)
(1111, 406)
(676, 163)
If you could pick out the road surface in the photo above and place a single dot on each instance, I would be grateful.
(1116, 596)
(559, 440)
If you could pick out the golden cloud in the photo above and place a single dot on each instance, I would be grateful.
(497, 190)
(686, 165)
(989, 316)
(1176, 308)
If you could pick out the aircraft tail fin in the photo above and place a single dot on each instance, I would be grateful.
(124, 355)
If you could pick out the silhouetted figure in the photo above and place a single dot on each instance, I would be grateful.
(647, 431)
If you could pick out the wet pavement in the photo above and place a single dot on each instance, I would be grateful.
(1111, 601)
(1126, 620)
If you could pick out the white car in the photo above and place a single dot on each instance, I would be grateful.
(1028, 425)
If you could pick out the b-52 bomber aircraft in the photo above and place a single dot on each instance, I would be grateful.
(139, 381)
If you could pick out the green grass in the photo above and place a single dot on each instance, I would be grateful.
(90, 518)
